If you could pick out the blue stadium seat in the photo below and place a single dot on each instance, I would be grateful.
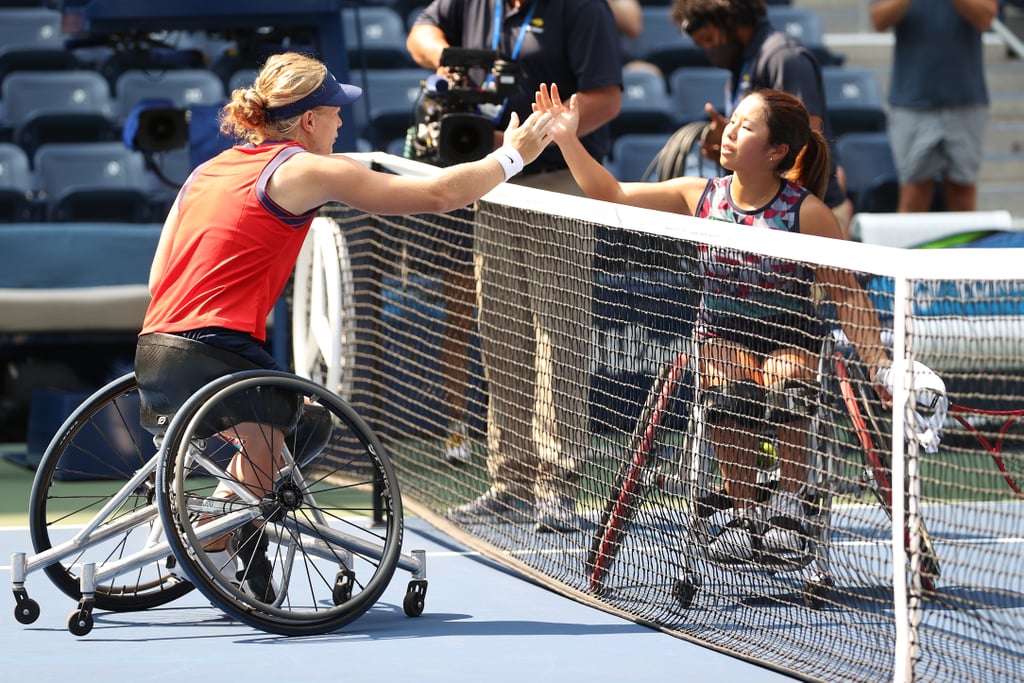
(645, 104)
(413, 14)
(31, 40)
(94, 181)
(854, 99)
(805, 25)
(183, 87)
(385, 110)
(243, 78)
(690, 87)
(663, 43)
(57, 106)
(871, 179)
(632, 155)
(375, 38)
(17, 187)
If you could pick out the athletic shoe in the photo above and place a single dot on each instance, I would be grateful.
(504, 506)
(557, 516)
(786, 537)
(737, 541)
(456, 446)
(249, 543)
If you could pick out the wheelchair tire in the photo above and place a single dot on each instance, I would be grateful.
(98, 449)
(313, 523)
(628, 491)
(872, 434)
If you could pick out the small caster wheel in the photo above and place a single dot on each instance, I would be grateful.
(685, 589)
(415, 598)
(343, 583)
(815, 590)
(80, 622)
(26, 611)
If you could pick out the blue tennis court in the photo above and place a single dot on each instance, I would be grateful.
(481, 622)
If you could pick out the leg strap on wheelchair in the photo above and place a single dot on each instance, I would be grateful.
(742, 402)
(791, 400)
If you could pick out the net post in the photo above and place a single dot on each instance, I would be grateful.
(903, 661)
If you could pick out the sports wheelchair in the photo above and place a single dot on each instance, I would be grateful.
(690, 476)
(124, 517)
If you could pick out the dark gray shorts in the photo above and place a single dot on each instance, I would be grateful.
(930, 142)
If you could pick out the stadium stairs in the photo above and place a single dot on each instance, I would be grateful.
(848, 31)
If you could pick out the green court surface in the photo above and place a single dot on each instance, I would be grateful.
(15, 487)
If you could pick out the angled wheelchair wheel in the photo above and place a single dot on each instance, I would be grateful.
(856, 393)
(311, 539)
(629, 489)
(101, 456)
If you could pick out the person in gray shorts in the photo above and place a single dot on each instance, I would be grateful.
(938, 98)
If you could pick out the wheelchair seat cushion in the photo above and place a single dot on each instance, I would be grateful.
(170, 369)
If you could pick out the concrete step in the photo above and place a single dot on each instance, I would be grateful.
(1006, 106)
(1003, 167)
(1006, 196)
(1005, 136)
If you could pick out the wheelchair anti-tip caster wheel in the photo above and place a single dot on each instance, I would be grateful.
(685, 589)
(343, 583)
(26, 611)
(415, 598)
(815, 590)
(80, 622)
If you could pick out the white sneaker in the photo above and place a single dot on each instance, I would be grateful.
(456, 447)
(557, 515)
(786, 535)
(736, 541)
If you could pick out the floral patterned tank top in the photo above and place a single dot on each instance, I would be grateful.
(740, 284)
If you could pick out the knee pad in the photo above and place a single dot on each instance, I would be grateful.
(791, 400)
(742, 402)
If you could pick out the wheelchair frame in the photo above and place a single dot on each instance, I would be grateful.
(144, 544)
(640, 474)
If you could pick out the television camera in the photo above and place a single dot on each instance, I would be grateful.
(450, 121)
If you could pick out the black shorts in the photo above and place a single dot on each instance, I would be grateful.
(171, 368)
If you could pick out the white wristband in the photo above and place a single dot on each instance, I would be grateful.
(510, 159)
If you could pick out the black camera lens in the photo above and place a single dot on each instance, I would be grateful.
(465, 137)
(162, 129)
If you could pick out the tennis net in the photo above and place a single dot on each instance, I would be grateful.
(909, 566)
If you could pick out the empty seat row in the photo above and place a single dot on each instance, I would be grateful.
(853, 98)
(78, 182)
(77, 106)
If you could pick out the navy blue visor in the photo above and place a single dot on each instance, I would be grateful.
(330, 93)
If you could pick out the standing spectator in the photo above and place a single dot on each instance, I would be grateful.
(535, 290)
(737, 36)
(938, 100)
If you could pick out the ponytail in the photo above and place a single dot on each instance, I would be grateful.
(807, 162)
(812, 166)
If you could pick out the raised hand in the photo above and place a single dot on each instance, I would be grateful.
(532, 136)
(566, 118)
(712, 146)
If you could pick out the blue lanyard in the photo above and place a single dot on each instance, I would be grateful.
(499, 13)
(740, 89)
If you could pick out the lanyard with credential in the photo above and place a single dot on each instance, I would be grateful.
(499, 13)
(740, 89)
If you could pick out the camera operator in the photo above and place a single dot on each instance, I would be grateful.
(535, 347)
(573, 43)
